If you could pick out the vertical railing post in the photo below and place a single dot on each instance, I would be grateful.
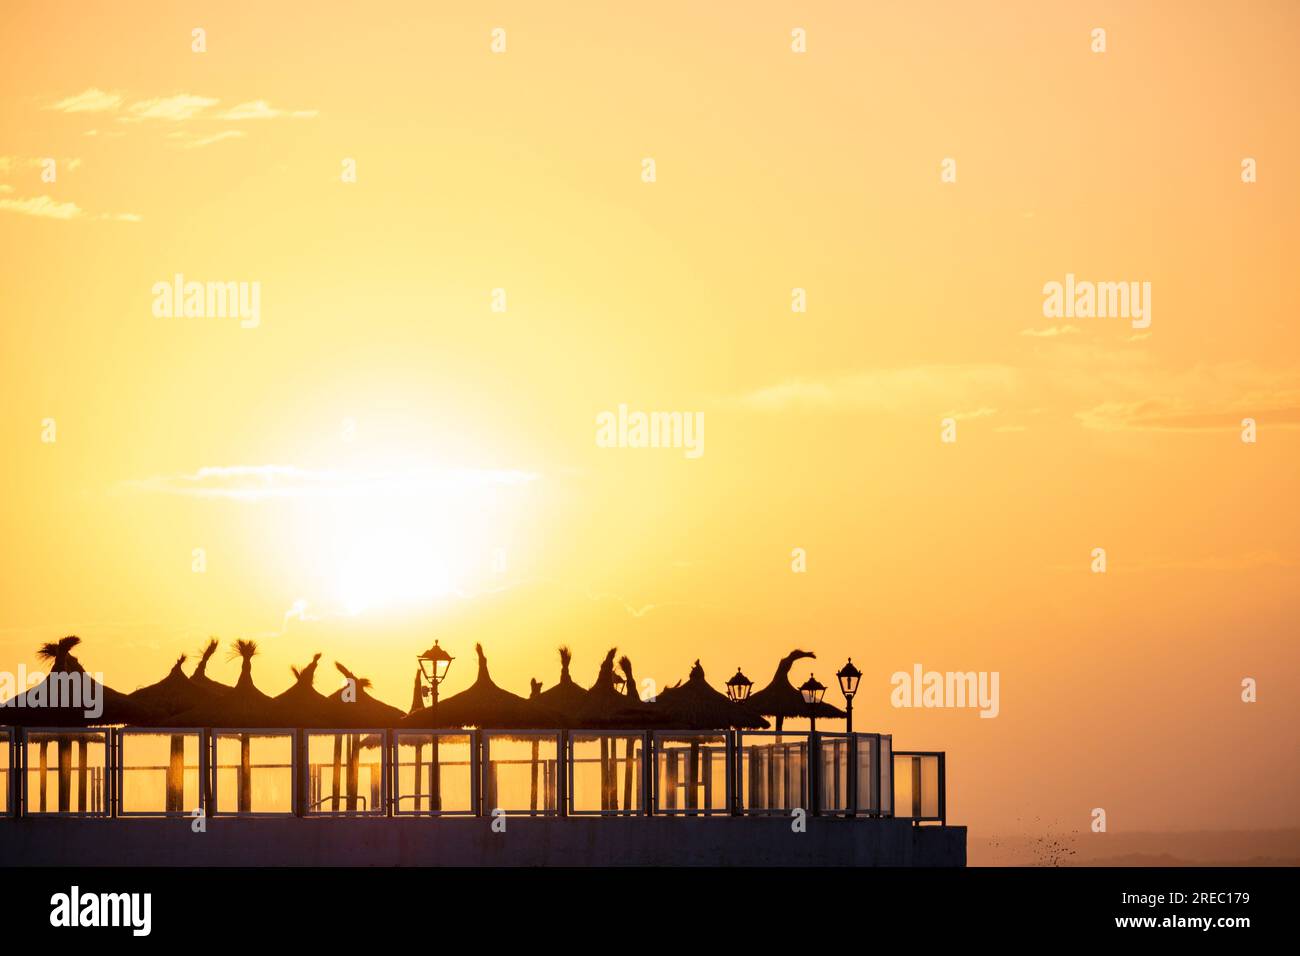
(648, 771)
(814, 774)
(564, 759)
(943, 788)
(733, 774)
(851, 804)
(113, 771)
(478, 758)
(20, 738)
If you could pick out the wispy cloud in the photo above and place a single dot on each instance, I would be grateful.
(174, 109)
(42, 207)
(195, 140)
(886, 389)
(261, 109)
(88, 101)
(977, 413)
(1051, 331)
(261, 482)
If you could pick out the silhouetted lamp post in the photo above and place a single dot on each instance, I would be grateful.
(849, 676)
(813, 691)
(738, 687)
(434, 664)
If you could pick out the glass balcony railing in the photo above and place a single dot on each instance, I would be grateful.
(162, 772)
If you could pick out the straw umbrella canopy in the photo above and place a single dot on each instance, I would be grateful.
(174, 694)
(695, 705)
(35, 707)
(200, 678)
(559, 706)
(364, 710)
(302, 705)
(781, 699)
(604, 707)
(482, 704)
(243, 706)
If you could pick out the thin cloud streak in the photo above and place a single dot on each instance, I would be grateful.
(262, 482)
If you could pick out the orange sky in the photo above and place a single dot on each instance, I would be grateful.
(418, 431)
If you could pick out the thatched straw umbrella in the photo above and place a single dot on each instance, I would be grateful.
(605, 707)
(535, 691)
(417, 704)
(173, 695)
(33, 709)
(559, 706)
(482, 704)
(200, 678)
(244, 706)
(629, 769)
(695, 705)
(358, 709)
(367, 711)
(302, 705)
(781, 699)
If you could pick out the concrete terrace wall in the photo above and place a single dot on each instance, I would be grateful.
(648, 841)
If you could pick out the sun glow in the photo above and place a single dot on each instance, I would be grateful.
(390, 565)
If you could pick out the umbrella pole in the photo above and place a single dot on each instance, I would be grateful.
(176, 774)
(354, 770)
(82, 780)
(45, 769)
(532, 804)
(245, 773)
(604, 773)
(627, 776)
(338, 772)
(671, 803)
(693, 777)
(65, 775)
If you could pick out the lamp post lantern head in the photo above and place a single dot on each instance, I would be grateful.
(434, 664)
(849, 676)
(738, 687)
(813, 690)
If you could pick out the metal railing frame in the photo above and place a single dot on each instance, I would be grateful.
(296, 801)
(118, 769)
(394, 758)
(918, 795)
(15, 740)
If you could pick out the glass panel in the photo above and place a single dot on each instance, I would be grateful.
(345, 772)
(433, 773)
(606, 773)
(522, 773)
(930, 787)
(5, 741)
(774, 772)
(254, 772)
(833, 789)
(868, 760)
(67, 772)
(691, 773)
(160, 772)
(906, 793)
